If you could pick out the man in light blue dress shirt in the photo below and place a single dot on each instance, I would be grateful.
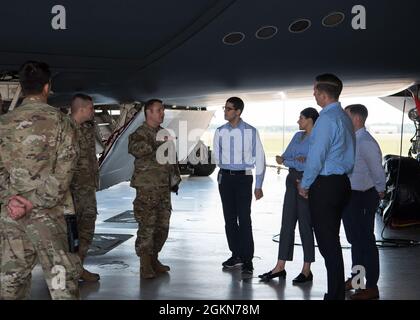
(325, 181)
(237, 149)
(368, 186)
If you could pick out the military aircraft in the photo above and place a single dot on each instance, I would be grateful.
(197, 53)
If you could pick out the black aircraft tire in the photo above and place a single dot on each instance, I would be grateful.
(204, 170)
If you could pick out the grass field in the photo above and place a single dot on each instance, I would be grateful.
(273, 143)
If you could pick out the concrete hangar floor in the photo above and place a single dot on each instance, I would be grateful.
(197, 246)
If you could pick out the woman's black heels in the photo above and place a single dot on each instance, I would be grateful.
(270, 275)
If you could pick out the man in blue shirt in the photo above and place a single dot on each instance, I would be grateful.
(237, 149)
(325, 181)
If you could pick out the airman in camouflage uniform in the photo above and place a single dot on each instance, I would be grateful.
(86, 177)
(37, 155)
(151, 178)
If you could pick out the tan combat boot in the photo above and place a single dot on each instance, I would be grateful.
(146, 269)
(89, 276)
(157, 266)
(86, 275)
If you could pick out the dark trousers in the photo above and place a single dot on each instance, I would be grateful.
(359, 224)
(236, 194)
(328, 196)
(295, 208)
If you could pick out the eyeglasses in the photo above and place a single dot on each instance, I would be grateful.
(228, 108)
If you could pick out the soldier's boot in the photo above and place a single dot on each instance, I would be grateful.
(146, 269)
(158, 266)
(89, 276)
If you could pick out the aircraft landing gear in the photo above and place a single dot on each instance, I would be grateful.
(198, 162)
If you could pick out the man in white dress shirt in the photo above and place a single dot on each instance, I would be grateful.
(368, 187)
